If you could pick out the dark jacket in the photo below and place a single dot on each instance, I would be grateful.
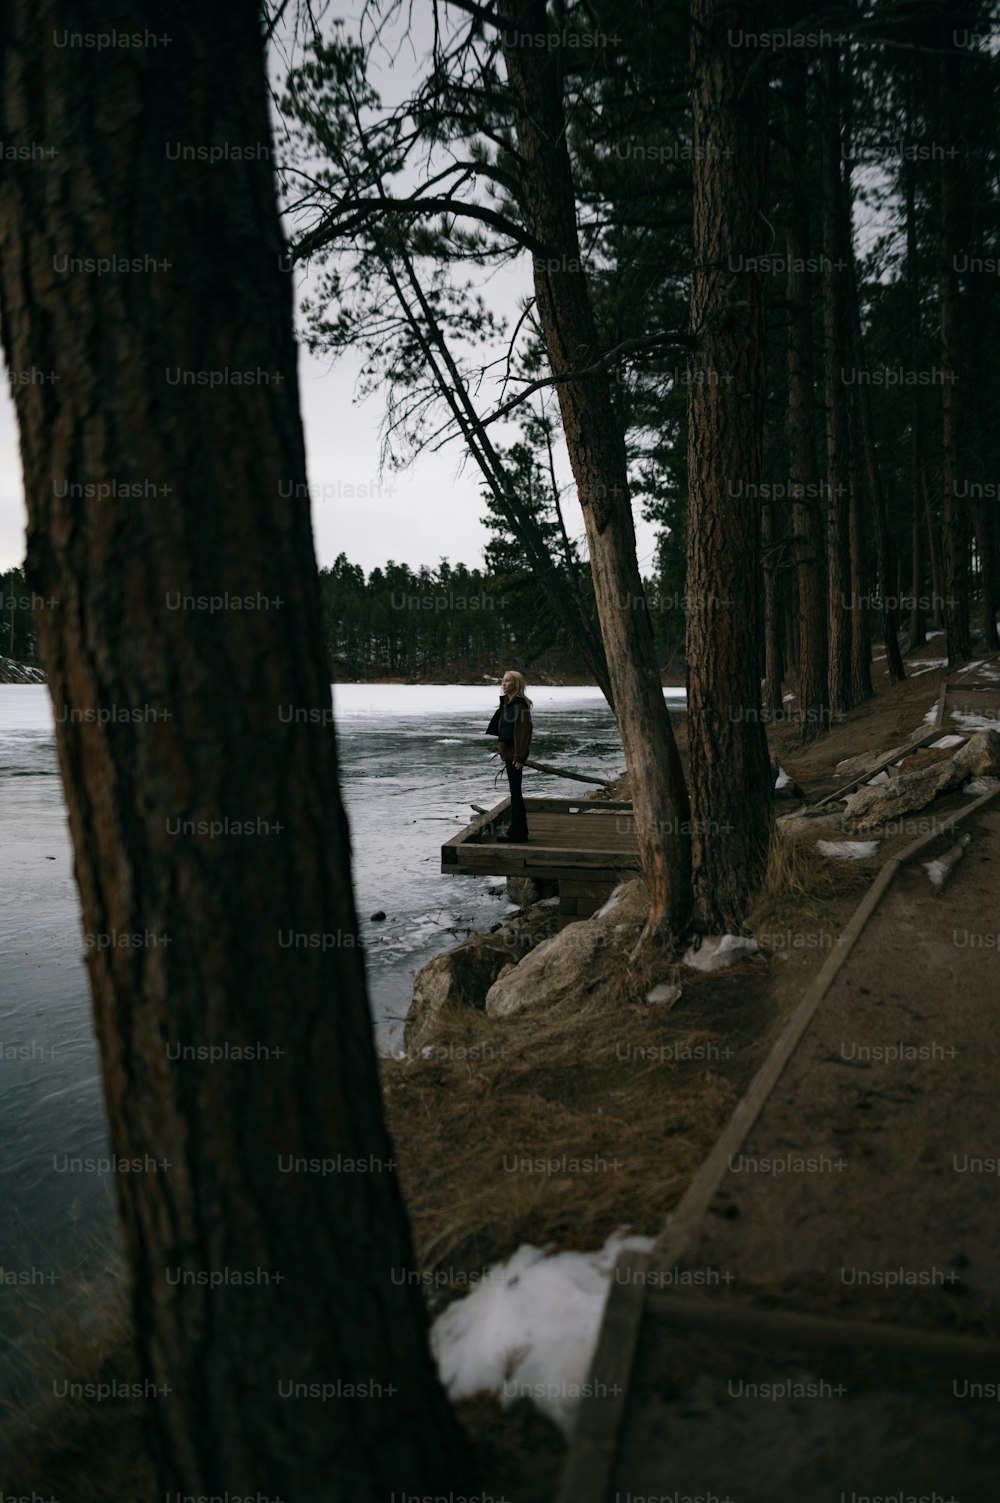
(512, 724)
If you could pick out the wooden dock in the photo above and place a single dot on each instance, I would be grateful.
(584, 845)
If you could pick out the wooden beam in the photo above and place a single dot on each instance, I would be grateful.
(599, 1419)
(729, 1318)
(877, 767)
(473, 831)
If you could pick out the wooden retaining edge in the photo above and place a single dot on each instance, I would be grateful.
(792, 1329)
(587, 1470)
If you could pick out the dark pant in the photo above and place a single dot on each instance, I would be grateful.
(518, 814)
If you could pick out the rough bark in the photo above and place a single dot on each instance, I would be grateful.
(884, 553)
(220, 472)
(730, 768)
(597, 455)
(807, 521)
(840, 605)
(954, 527)
(918, 630)
(773, 623)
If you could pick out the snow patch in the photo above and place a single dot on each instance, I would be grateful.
(782, 780)
(664, 995)
(947, 741)
(720, 950)
(612, 903)
(530, 1329)
(940, 870)
(880, 777)
(969, 721)
(847, 850)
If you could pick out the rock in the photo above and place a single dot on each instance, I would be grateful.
(526, 890)
(980, 756)
(853, 767)
(580, 959)
(377, 916)
(463, 976)
(869, 807)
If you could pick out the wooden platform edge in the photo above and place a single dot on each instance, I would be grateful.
(588, 1464)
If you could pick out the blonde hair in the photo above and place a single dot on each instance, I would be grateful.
(518, 684)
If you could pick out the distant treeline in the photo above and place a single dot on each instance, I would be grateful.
(401, 622)
(452, 620)
(18, 638)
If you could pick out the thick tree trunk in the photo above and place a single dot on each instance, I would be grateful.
(597, 455)
(773, 623)
(840, 605)
(918, 631)
(175, 715)
(934, 549)
(807, 521)
(861, 646)
(954, 530)
(730, 767)
(983, 507)
(884, 556)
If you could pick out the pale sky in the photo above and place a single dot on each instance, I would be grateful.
(415, 516)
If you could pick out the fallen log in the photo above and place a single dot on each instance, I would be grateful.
(562, 772)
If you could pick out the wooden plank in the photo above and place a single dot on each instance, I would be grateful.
(947, 826)
(472, 832)
(598, 1424)
(729, 1318)
(551, 805)
(942, 699)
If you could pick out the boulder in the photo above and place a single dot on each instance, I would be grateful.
(853, 767)
(580, 959)
(463, 976)
(869, 807)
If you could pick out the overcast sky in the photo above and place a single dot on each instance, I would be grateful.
(417, 516)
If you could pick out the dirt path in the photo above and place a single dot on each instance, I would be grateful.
(867, 1190)
(831, 1328)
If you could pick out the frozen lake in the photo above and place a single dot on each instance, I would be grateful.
(413, 759)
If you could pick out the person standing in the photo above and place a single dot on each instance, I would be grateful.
(511, 724)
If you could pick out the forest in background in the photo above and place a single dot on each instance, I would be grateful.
(781, 345)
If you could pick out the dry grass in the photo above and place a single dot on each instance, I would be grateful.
(555, 1130)
(67, 1447)
(797, 870)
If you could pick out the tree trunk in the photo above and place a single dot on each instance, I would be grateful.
(884, 556)
(729, 762)
(934, 549)
(807, 522)
(840, 606)
(773, 662)
(918, 631)
(597, 455)
(955, 538)
(175, 716)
